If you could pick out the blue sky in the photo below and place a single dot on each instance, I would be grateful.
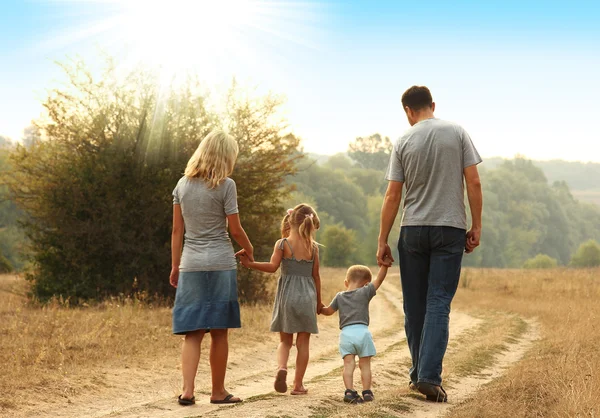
(522, 77)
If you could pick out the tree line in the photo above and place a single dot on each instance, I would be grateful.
(85, 201)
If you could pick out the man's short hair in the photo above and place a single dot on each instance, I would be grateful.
(417, 98)
(358, 273)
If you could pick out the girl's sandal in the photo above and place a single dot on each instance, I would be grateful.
(352, 397)
(368, 396)
(299, 392)
(280, 384)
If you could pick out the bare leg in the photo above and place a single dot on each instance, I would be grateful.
(283, 349)
(349, 365)
(302, 345)
(365, 372)
(190, 356)
(219, 351)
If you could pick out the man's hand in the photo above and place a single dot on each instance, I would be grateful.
(384, 255)
(174, 277)
(472, 240)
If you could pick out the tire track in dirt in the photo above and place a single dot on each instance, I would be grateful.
(467, 386)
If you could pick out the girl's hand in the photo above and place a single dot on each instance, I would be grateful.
(245, 260)
(320, 307)
(174, 277)
(243, 253)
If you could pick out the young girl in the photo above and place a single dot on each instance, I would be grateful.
(298, 291)
(204, 270)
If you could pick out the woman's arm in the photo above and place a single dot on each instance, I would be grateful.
(176, 244)
(239, 235)
(317, 279)
(271, 266)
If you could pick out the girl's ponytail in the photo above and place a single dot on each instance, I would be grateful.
(306, 220)
(285, 225)
(307, 230)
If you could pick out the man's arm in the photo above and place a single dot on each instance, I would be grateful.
(476, 204)
(389, 210)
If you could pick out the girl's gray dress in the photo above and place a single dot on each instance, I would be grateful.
(295, 308)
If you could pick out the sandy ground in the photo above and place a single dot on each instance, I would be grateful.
(128, 392)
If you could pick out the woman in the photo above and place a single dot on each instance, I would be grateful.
(204, 273)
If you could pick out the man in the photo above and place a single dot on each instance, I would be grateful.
(430, 159)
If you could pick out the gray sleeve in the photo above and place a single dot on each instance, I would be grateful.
(334, 303)
(176, 200)
(470, 154)
(371, 291)
(230, 199)
(395, 171)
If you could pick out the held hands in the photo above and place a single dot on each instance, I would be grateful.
(320, 307)
(245, 254)
(384, 255)
(245, 260)
(473, 237)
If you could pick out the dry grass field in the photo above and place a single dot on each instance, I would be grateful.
(119, 358)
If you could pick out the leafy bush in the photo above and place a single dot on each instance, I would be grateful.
(587, 255)
(339, 246)
(540, 261)
(97, 189)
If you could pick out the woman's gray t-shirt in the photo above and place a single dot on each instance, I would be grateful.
(206, 246)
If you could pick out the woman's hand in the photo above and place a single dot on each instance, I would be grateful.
(320, 307)
(245, 260)
(244, 253)
(174, 277)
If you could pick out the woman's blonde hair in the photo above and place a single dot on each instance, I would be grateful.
(307, 221)
(214, 158)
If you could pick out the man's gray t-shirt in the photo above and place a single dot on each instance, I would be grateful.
(430, 158)
(206, 246)
(354, 305)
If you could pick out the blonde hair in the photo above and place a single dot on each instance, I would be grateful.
(359, 273)
(214, 158)
(307, 221)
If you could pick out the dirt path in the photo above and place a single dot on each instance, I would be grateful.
(151, 393)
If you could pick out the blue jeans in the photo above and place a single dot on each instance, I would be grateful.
(430, 261)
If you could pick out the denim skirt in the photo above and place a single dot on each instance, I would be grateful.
(206, 300)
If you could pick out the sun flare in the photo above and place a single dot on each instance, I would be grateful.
(211, 38)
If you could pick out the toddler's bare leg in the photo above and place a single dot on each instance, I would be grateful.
(302, 345)
(349, 365)
(190, 356)
(365, 372)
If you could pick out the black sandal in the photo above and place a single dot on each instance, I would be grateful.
(352, 397)
(185, 401)
(368, 396)
(228, 399)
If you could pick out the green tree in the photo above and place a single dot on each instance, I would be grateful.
(339, 246)
(540, 261)
(371, 151)
(587, 255)
(5, 265)
(97, 189)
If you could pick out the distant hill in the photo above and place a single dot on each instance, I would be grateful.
(583, 178)
(579, 176)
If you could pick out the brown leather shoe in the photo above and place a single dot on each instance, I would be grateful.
(433, 392)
